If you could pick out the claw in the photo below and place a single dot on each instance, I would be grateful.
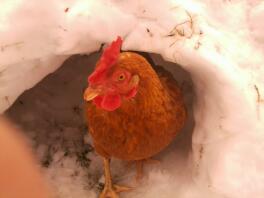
(108, 193)
(110, 190)
(113, 192)
(119, 188)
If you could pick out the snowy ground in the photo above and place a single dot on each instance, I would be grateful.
(220, 43)
(51, 115)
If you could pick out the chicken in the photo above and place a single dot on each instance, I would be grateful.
(133, 112)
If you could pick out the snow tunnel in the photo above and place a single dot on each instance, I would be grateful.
(52, 116)
(215, 50)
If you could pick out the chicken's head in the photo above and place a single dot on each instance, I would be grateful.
(110, 83)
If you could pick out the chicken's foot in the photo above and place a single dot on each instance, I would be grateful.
(110, 190)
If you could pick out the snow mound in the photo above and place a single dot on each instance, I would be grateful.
(219, 43)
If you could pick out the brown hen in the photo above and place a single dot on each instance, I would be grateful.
(136, 111)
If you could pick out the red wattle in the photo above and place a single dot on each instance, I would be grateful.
(98, 101)
(108, 102)
(111, 102)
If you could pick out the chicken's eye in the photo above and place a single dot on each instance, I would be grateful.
(121, 77)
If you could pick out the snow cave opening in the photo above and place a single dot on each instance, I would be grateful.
(51, 116)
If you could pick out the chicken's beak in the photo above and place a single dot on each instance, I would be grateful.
(91, 93)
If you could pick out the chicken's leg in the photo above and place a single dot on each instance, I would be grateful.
(110, 190)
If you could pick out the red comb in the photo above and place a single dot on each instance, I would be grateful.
(107, 60)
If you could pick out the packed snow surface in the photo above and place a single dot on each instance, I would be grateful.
(219, 43)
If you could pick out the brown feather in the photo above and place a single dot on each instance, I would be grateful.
(143, 125)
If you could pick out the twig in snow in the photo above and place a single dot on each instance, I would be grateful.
(259, 99)
(149, 32)
(48, 158)
(7, 100)
(82, 158)
(3, 47)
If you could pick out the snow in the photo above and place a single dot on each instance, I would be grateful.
(219, 43)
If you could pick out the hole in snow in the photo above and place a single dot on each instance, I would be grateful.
(51, 116)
